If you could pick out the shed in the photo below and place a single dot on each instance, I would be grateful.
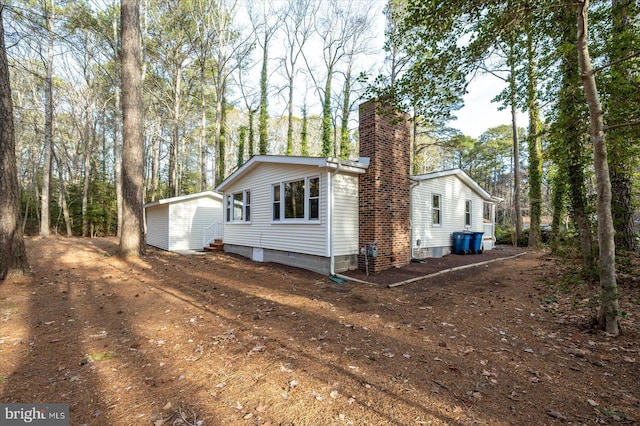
(179, 223)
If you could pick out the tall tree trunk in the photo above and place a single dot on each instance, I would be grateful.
(174, 150)
(131, 238)
(13, 256)
(222, 153)
(344, 127)
(203, 130)
(220, 90)
(517, 204)
(88, 152)
(623, 150)
(414, 142)
(535, 154)
(252, 134)
(571, 154)
(263, 142)
(559, 189)
(117, 125)
(242, 140)
(326, 117)
(608, 317)
(290, 115)
(155, 166)
(304, 134)
(63, 199)
(45, 218)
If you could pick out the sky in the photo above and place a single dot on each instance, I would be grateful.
(478, 115)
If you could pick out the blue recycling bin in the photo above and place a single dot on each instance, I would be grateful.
(475, 243)
(461, 242)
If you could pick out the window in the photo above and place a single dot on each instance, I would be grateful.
(247, 206)
(297, 200)
(467, 213)
(436, 217)
(314, 198)
(486, 212)
(238, 206)
(276, 202)
(294, 200)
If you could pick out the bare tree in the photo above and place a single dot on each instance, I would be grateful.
(228, 53)
(298, 30)
(13, 257)
(335, 28)
(205, 38)
(358, 45)
(45, 219)
(131, 238)
(265, 29)
(173, 48)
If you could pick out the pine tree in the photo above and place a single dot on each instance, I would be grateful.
(13, 257)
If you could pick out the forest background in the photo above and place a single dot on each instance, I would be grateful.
(227, 80)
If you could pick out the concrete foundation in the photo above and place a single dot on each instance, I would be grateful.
(319, 264)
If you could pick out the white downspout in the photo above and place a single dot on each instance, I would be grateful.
(411, 236)
(493, 223)
(330, 222)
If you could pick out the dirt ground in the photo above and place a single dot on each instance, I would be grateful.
(218, 339)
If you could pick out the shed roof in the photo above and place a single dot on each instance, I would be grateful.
(356, 167)
(209, 194)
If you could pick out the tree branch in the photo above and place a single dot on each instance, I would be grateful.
(622, 125)
(626, 58)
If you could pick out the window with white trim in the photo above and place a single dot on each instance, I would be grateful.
(467, 213)
(238, 206)
(276, 202)
(436, 210)
(296, 200)
(486, 212)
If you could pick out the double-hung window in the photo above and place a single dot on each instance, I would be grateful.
(296, 200)
(467, 213)
(436, 210)
(238, 206)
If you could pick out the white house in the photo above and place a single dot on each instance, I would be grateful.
(178, 223)
(329, 215)
(446, 202)
(300, 211)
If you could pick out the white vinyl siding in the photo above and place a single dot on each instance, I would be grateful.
(158, 226)
(188, 221)
(345, 215)
(454, 195)
(179, 224)
(300, 237)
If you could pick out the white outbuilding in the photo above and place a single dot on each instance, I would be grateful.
(183, 223)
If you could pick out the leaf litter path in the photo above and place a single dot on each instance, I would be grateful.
(218, 339)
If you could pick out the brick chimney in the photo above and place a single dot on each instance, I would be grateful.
(384, 196)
